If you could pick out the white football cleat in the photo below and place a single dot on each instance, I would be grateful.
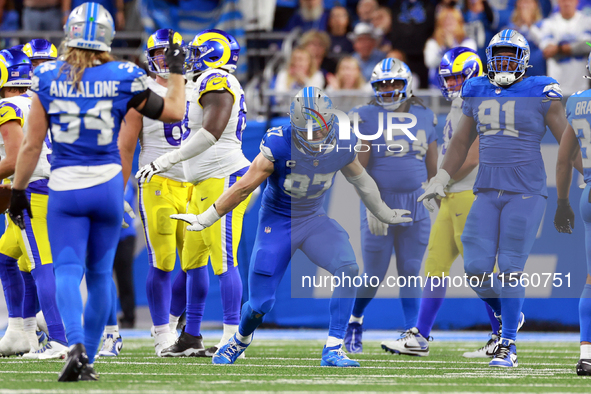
(163, 341)
(51, 350)
(487, 351)
(411, 343)
(14, 342)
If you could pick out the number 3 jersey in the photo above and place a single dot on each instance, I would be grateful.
(158, 138)
(299, 181)
(17, 108)
(225, 157)
(578, 113)
(511, 123)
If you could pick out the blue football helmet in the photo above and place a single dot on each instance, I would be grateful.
(159, 40)
(18, 47)
(308, 113)
(40, 49)
(460, 62)
(90, 26)
(19, 67)
(212, 49)
(499, 67)
(387, 71)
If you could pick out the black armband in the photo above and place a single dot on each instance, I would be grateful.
(152, 108)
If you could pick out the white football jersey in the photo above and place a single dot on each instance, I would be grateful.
(451, 124)
(225, 157)
(158, 138)
(17, 108)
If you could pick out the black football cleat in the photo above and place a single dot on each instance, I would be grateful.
(76, 361)
(584, 367)
(209, 352)
(186, 345)
(88, 373)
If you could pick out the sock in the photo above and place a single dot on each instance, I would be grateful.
(245, 340)
(494, 323)
(158, 291)
(30, 328)
(231, 292)
(13, 285)
(112, 320)
(249, 322)
(114, 330)
(69, 300)
(45, 282)
(511, 304)
(178, 302)
(16, 323)
(173, 322)
(229, 331)
(585, 314)
(585, 352)
(98, 307)
(30, 295)
(341, 302)
(494, 304)
(354, 319)
(433, 295)
(197, 288)
(332, 342)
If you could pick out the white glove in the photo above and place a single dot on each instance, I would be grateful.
(436, 187)
(376, 227)
(201, 221)
(394, 216)
(161, 164)
(582, 185)
(129, 210)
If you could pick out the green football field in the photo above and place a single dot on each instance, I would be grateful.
(293, 365)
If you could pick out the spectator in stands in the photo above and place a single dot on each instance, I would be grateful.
(365, 10)
(449, 33)
(413, 21)
(300, 71)
(398, 54)
(365, 41)
(348, 77)
(9, 20)
(526, 15)
(382, 19)
(562, 40)
(339, 24)
(115, 8)
(41, 15)
(317, 43)
(310, 15)
(480, 24)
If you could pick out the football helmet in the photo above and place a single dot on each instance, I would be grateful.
(18, 66)
(500, 66)
(212, 49)
(588, 66)
(41, 49)
(388, 71)
(159, 40)
(308, 113)
(90, 26)
(18, 47)
(460, 62)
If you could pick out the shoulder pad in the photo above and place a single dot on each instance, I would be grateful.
(10, 111)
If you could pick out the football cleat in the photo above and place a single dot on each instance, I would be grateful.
(88, 373)
(210, 351)
(353, 342)
(335, 357)
(163, 341)
(51, 350)
(111, 346)
(14, 342)
(505, 354)
(77, 360)
(487, 351)
(584, 367)
(499, 318)
(229, 352)
(42, 338)
(411, 343)
(186, 345)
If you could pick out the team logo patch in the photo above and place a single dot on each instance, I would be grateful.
(267, 230)
(158, 192)
(498, 90)
(316, 162)
(14, 74)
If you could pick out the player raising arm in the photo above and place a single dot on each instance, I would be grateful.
(292, 217)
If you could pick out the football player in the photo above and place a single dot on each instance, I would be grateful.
(400, 166)
(213, 161)
(577, 138)
(165, 194)
(83, 99)
(31, 246)
(299, 172)
(509, 113)
(40, 50)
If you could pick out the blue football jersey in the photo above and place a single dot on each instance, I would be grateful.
(399, 170)
(85, 120)
(511, 124)
(298, 185)
(578, 113)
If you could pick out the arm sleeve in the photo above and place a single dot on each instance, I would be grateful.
(368, 191)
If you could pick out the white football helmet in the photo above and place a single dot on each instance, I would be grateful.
(309, 108)
(90, 26)
(499, 67)
(389, 70)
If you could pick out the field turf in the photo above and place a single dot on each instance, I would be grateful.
(293, 365)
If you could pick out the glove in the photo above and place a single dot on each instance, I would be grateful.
(128, 210)
(161, 164)
(19, 203)
(376, 227)
(564, 219)
(174, 55)
(394, 216)
(201, 221)
(436, 187)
